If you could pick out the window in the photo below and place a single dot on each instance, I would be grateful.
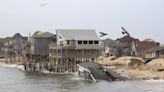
(90, 42)
(18, 37)
(96, 42)
(59, 51)
(79, 42)
(68, 42)
(85, 42)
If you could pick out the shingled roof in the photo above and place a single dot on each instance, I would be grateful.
(78, 34)
(108, 42)
(128, 38)
(155, 49)
(3, 40)
(16, 35)
(42, 34)
(145, 45)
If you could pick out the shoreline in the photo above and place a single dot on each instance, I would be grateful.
(137, 74)
(18, 66)
(134, 68)
(129, 74)
(21, 67)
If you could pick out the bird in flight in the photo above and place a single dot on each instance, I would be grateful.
(102, 34)
(124, 31)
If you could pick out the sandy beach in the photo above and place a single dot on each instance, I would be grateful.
(136, 71)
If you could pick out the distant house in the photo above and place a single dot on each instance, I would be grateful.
(14, 47)
(129, 46)
(139, 48)
(37, 50)
(2, 47)
(18, 42)
(110, 47)
(73, 46)
(125, 45)
(8, 49)
(40, 42)
(155, 52)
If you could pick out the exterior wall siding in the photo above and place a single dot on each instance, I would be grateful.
(40, 46)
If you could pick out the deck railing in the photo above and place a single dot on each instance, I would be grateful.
(54, 45)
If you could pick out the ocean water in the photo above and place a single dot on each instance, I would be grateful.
(14, 80)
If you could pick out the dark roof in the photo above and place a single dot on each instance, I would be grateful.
(155, 49)
(25, 39)
(42, 34)
(108, 41)
(16, 35)
(8, 38)
(145, 45)
(128, 38)
(3, 40)
(148, 39)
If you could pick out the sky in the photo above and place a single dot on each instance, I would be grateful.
(141, 18)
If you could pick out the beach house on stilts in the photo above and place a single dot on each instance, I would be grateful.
(73, 46)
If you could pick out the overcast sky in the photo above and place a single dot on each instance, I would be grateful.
(142, 18)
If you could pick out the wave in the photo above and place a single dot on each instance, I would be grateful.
(78, 78)
(21, 67)
(155, 80)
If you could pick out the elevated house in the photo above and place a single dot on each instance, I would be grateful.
(40, 41)
(17, 46)
(124, 45)
(8, 49)
(141, 47)
(155, 52)
(110, 47)
(2, 47)
(13, 47)
(73, 46)
(129, 46)
(37, 50)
